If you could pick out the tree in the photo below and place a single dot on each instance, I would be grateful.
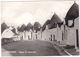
(3, 27)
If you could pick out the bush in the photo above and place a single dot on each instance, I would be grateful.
(6, 40)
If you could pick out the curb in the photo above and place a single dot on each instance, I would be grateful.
(68, 53)
(62, 49)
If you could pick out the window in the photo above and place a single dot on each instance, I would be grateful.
(70, 22)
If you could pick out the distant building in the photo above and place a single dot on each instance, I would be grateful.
(21, 32)
(60, 32)
(45, 30)
(36, 28)
(28, 32)
(50, 28)
(53, 26)
(39, 34)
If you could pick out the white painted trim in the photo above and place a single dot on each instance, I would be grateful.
(68, 53)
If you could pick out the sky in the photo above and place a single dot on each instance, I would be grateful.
(18, 13)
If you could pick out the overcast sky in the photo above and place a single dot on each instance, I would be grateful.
(18, 13)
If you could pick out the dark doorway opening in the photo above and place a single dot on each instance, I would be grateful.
(54, 37)
(51, 37)
(62, 36)
(36, 36)
(28, 37)
(77, 38)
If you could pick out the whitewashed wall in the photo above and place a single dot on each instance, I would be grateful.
(26, 35)
(39, 35)
(34, 36)
(21, 35)
(16, 38)
(76, 23)
(45, 34)
(76, 27)
(53, 32)
(71, 33)
(43, 38)
(59, 33)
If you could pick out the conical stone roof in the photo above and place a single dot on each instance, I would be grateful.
(46, 23)
(28, 27)
(36, 26)
(54, 20)
(22, 28)
(72, 14)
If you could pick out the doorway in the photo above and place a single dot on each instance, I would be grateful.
(51, 37)
(62, 36)
(54, 37)
(36, 36)
(77, 38)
